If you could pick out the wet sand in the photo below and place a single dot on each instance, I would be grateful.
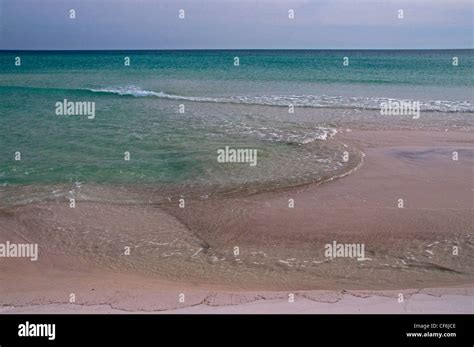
(281, 249)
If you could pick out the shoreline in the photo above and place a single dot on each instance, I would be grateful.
(281, 248)
(430, 301)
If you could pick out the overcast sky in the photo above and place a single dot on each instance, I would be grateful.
(213, 24)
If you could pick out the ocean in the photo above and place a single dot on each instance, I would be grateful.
(170, 112)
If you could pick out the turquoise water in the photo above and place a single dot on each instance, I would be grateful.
(245, 106)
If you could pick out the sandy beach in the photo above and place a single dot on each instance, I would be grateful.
(246, 254)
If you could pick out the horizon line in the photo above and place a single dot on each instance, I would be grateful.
(232, 49)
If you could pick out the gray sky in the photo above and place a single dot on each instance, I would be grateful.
(226, 24)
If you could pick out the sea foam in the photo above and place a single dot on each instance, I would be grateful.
(316, 101)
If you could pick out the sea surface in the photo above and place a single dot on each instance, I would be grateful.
(173, 110)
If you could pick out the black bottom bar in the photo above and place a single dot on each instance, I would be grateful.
(156, 330)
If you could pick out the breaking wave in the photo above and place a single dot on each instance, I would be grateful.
(317, 101)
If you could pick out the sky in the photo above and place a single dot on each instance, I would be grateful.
(235, 24)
